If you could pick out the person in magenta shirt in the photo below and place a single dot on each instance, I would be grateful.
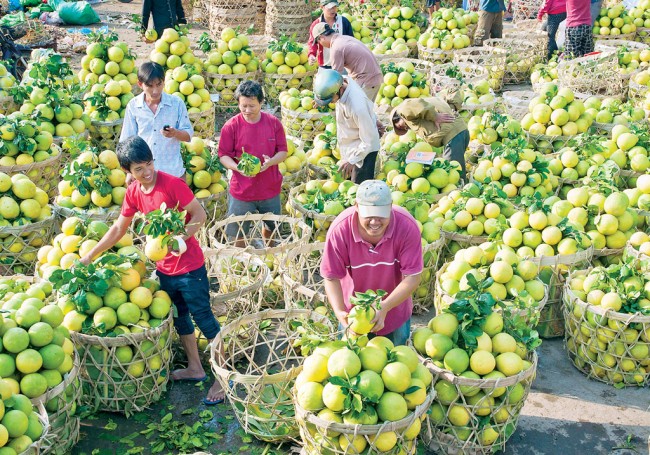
(556, 12)
(259, 134)
(370, 246)
(181, 274)
(579, 39)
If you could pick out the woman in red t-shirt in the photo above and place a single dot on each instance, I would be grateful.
(259, 134)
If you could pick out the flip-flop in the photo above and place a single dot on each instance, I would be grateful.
(203, 379)
(212, 403)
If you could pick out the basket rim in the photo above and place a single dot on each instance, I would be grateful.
(28, 227)
(124, 339)
(247, 259)
(305, 115)
(564, 259)
(117, 122)
(247, 319)
(16, 168)
(367, 430)
(308, 213)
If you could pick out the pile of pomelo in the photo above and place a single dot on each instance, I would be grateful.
(288, 60)
(7, 80)
(93, 181)
(204, 172)
(491, 128)
(401, 81)
(325, 151)
(477, 413)
(172, 50)
(20, 425)
(37, 350)
(296, 158)
(367, 385)
(187, 83)
(402, 23)
(302, 102)
(106, 60)
(231, 56)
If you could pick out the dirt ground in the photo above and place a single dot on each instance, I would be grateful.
(565, 413)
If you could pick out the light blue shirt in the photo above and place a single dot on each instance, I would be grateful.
(140, 121)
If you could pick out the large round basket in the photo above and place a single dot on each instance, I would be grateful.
(548, 144)
(225, 85)
(321, 436)
(529, 30)
(275, 83)
(267, 236)
(289, 181)
(522, 55)
(259, 387)
(304, 125)
(229, 14)
(216, 207)
(130, 387)
(20, 244)
(301, 279)
(607, 38)
(105, 135)
(643, 35)
(8, 105)
(435, 56)
(637, 93)
(45, 174)
(516, 103)
(381, 57)
(61, 403)
(456, 75)
(288, 17)
(203, 123)
(421, 66)
(369, 13)
(623, 44)
(423, 295)
(530, 315)
(491, 58)
(595, 74)
(553, 272)
(524, 10)
(503, 399)
(318, 222)
(236, 282)
(601, 342)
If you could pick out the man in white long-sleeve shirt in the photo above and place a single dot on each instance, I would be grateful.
(356, 123)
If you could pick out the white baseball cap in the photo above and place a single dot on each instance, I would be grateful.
(374, 199)
(328, 4)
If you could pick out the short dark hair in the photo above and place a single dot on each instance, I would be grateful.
(250, 89)
(149, 72)
(133, 150)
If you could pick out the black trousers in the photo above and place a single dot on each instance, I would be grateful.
(366, 171)
(553, 24)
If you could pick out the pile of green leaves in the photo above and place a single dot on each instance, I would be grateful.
(86, 178)
(172, 435)
(249, 164)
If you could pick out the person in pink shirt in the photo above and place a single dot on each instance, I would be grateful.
(259, 134)
(556, 13)
(370, 246)
(579, 36)
(340, 24)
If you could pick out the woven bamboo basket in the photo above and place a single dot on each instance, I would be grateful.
(595, 74)
(500, 402)
(553, 272)
(601, 342)
(321, 436)
(274, 84)
(259, 369)
(516, 103)
(61, 403)
(637, 93)
(435, 56)
(7, 105)
(109, 385)
(463, 239)
(225, 85)
(608, 38)
(105, 135)
(236, 282)
(20, 244)
(549, 143)
(304, 125)
(301, 280)
(491, 58)
(423, 295)
(614, 45)
(522, 55)
(529, 30)
(289, 181)
(288, 17)
(369, 13)
(524, 10)
(107, 215)
(45, 174)
(442, 300)
(471, 74)
(229, 14)
(318, 222)
(421, 66)
(286, 233)
(216, 207)
(203, 123)
(629, 250)
(643, 35)
(260, 16)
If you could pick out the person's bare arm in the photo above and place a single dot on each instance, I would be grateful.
(334, 293)
(197, 218)
(114, 234)
(228, 163)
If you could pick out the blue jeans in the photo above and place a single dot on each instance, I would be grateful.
(190, 293)
(238, 208)
(398, 336)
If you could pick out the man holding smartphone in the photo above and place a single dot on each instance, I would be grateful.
(160, 119)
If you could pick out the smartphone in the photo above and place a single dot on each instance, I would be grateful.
(166, 127)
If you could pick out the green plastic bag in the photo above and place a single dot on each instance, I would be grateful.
(75, 13)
